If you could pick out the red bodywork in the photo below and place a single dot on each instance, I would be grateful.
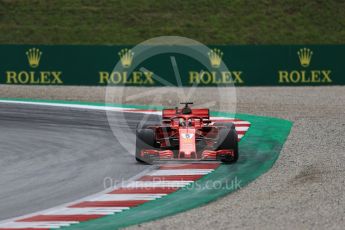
(186, 137)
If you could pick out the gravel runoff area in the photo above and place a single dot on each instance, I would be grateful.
(306, 187)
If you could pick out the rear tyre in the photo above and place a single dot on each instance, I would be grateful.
(145, 140)
(229, 140)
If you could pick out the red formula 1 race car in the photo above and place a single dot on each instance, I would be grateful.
(186, 134)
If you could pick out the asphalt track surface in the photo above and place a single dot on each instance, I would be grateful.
(53, 155)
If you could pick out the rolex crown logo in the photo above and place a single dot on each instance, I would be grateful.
(215, 57)
(304, 55)
(126, 57)
(34, 56)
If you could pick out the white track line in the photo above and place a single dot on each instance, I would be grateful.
(87, 211)
(91, 107)
(113, 197)
(38, 224)
(164, 184)
(180, 172)
(241, 128)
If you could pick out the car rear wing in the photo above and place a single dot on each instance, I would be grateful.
(169, 113)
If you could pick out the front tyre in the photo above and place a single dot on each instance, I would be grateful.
(145, 139)
(229, 140)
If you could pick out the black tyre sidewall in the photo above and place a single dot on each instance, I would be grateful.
(229, 141)
(145, 139)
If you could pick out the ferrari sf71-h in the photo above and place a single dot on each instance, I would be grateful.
(186, 134)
